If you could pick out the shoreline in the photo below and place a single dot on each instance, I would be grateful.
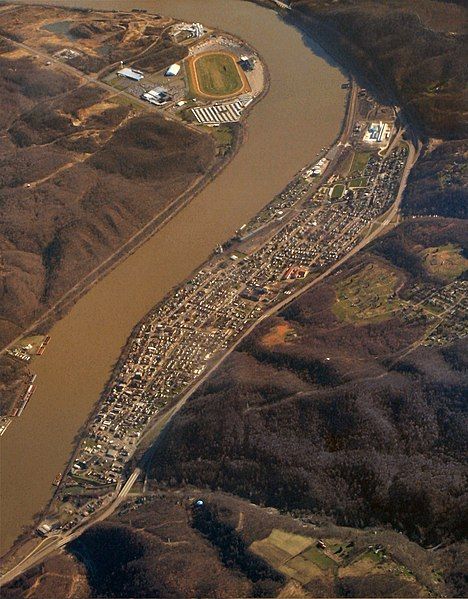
(242, 133)
(72, 296)
(128, 343)
(54, 313)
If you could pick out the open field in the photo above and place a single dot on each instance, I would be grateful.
(360, 160)
(91, 41)
(367, 294)
(281, 333)
(358, 182)
(445, 261)
(337, 191)
(311, 562)
(216, 75)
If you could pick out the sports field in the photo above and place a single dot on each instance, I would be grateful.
(217, 75)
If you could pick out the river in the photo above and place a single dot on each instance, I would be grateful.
(301, 113)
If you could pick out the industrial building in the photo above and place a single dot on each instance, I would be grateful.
(130, 74)
(377, 133)
(157, 96)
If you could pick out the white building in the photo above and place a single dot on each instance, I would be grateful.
(130, 74)
(157, 96)
(173, 70)
(377, 133)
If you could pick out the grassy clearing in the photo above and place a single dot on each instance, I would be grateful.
(300, 569)
(218, 75)
(126, 101)
(359, 182)
(359, 162)
(445, 261)
(302, 561)
(317, 556)
(223, 136)
(294, 555)
(367, 294)
(337, 191)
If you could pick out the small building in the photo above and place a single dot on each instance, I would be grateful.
(44, 529)
(246, 63)
(173, 70)
(132, 74)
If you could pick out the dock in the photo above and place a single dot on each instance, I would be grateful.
(43, 345)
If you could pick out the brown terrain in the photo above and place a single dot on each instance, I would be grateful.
(336, 405)
(339, 412)
(411, 51)
(164, 545)
(83, 168)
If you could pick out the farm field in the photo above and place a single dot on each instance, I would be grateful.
(309, 561)
(217, 75)
(367, 294)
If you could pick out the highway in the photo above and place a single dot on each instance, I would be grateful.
(153, 434)
(55, 542)
(41, 552)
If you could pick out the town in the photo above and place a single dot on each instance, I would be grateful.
(326, 212)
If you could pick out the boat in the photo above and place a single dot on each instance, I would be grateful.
(43, 345)
(57, 479)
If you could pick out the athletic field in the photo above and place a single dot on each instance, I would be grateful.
(217, 75)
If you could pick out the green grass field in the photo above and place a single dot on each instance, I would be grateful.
(359, 182)
(359, 162)
(367, 294)
(445, 261)
(338, 191)
(217, 75)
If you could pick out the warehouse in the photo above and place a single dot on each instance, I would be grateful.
(157, 95)
(130, 74)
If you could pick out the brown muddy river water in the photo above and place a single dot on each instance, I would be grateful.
(301, 114)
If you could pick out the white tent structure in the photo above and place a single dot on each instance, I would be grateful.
(173, 70)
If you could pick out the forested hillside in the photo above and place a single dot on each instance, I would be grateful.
(322, 409)
(415, 51)
(170, 546)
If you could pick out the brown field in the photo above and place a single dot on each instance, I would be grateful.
(278, 335)
(100, 38)
(301, 560)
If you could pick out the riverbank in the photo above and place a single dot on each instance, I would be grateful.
(46, 320)
(301, 114)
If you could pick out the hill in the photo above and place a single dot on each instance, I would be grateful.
(349, 402)
(412, 51)
(166, 545)
(83, 169)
